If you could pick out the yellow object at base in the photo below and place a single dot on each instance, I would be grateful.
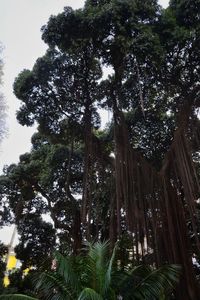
(6, 281)
(11, 264)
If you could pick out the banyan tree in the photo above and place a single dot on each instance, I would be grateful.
(139, 176)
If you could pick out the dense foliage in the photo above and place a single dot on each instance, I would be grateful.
(96, 276)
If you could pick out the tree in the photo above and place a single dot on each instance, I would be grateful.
(40, 184)
(149, 189)
(37, 239)
(33, 247)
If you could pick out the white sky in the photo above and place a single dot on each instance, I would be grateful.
(20, 24)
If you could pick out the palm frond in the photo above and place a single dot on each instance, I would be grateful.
(52, 285)
(89, 294)
(96, 265)
(66, 269)
(162, 279)
(141, 271)
(122, 280)
(16, 297)
(110, 267)
(98, 252)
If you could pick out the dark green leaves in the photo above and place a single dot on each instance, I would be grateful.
(16, 297)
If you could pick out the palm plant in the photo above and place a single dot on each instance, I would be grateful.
(94, 276)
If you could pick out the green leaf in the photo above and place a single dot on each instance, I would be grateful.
(96, 265)
(160, 280)
(16, 297)
(89, 294)
(51, 283)
(66, 269)
(109, 270)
